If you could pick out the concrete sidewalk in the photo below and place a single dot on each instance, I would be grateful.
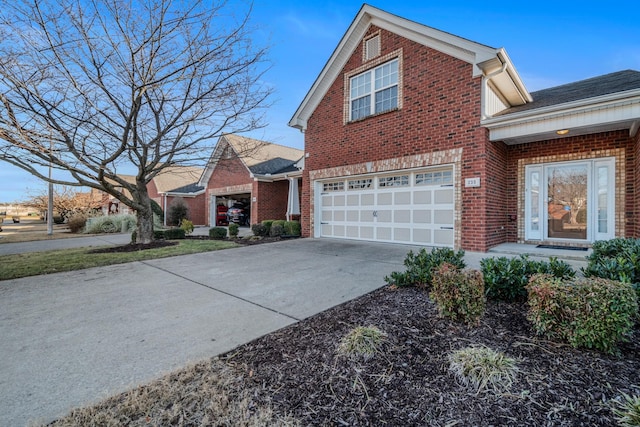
(88, 241)
(71, 339)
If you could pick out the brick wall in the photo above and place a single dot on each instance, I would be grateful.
(271, 201)
(608, 144)
(195, 205)
(440, 110)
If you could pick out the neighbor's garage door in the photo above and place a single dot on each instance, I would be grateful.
(410, 207)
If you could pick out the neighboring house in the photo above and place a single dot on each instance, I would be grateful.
(262, 176)
(180, 183)
(414, 135)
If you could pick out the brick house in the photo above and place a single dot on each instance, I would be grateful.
(262, 176)
(179, 183)
(414, 135)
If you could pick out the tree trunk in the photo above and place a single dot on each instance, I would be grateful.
(144, 214)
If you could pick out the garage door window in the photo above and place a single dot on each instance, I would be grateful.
(333, 186)
(360, 184)
(431, 178)
(394, 181)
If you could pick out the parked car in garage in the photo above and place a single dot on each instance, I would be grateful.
(239, 213)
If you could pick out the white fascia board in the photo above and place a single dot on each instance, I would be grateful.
(604, 101)
(278, 177)
(188, 195)
(605, 113)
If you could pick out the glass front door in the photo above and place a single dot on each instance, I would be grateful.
(571, 201)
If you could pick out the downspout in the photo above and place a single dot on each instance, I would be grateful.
(485, 87)
(164, 209)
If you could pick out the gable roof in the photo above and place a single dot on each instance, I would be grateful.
(259, 157)
(486, 60)
(176, 177)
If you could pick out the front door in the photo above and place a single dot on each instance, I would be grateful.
(570, 201)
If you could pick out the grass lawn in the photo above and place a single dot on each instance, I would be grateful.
(35, 263)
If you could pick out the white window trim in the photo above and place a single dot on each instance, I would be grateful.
(369, 66)
(372, 91)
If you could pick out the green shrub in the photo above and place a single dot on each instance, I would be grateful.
(111, 224)
(586, 312)
(178, 211)
(57, 219)
(506, 278)
(420, 266)
(77, 222)
(218, 233)
(233, 230)
(187, 226)
(364, 341)
(157, 210)
(158, 234)
(292, 228)
(483, 369)
(260, 230)
(615, 259)
(267, 223)
(627, 411)
(174, 234)
(134, 236)
(459, 294)
(277, 230)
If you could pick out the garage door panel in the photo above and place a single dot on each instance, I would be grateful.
(402, 198)
(414, 208)
(385, 199)
(422, 197)
(444, 196)
(367, 200)
(402, 216)
(443, 217)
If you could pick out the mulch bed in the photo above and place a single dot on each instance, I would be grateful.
(298, 371)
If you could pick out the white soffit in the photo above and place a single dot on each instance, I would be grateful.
(601, 114)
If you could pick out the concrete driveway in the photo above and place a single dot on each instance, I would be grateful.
(70, 339)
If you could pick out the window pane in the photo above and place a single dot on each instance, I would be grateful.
(387, 99)
(603, 186)
(567, 206)
(386, 75)
(360, 107)
(360, 85)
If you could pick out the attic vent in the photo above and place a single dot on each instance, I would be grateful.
(372, 47)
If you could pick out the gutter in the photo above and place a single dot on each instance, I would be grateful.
(604, 101)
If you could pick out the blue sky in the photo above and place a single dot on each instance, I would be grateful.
(550, 43)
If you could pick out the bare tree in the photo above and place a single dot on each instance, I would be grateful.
(66, 201)
(92, 87)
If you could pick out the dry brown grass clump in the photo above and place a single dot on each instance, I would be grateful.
(209, 393)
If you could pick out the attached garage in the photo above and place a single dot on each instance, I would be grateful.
(409, 207)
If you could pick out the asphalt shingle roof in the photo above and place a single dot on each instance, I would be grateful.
(596, 86)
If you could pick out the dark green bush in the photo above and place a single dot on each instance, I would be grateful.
(459, 294)
(615, 259)
(57, 219)
(178, 211)
(292, 228)
(233, 230)
(259, 230)
(267, 223)
(420, 266)
(156, 209)
(158, 234)
(277, 230)
(218, 233)
(134, 236)
(280, 222)
(586, 312)
(174, 233)
(506, 278)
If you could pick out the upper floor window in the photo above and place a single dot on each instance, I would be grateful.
(374, 91)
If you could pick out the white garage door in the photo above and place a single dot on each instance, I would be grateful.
(406, 207)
